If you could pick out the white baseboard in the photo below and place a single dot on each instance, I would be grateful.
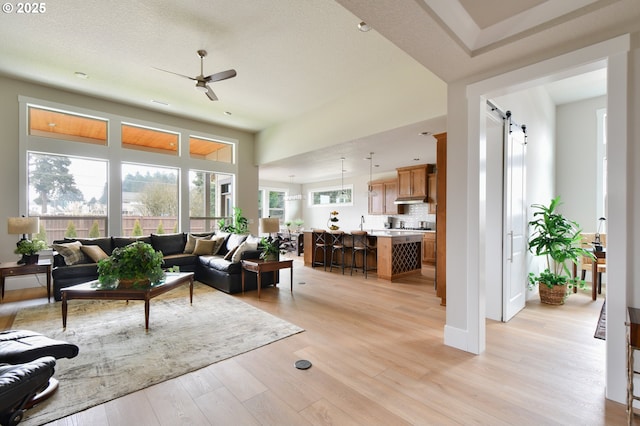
(456, 338)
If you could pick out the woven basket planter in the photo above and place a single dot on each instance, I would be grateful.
(554, 295)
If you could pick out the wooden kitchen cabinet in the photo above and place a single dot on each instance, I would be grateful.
(382, 197)
(412, 181)
(432, 184)
(429, 248)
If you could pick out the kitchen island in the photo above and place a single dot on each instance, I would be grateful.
(398, 253)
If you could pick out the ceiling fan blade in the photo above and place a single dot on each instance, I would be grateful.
(223, 75)
(212, 96)
(175, 73)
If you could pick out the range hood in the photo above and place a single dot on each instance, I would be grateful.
(411, 200)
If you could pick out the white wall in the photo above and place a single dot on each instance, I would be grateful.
(576, 177)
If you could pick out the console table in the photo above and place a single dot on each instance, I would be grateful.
(14, 269)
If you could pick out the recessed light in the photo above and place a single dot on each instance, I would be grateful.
(81, 75)
(416, 159)
(424, 133)
(227, 113)
(364, 27)
(159, 102)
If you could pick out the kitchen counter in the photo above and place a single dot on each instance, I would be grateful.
(398, 251)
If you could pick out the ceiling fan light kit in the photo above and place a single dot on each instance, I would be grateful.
(202, 81)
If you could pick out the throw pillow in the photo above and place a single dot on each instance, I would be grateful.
(230, 253)
(191, 243)
(204, 247)
(246, 246)
(218, 243)
(94, 252)
(71, 252)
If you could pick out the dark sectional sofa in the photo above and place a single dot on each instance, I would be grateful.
(221, 270)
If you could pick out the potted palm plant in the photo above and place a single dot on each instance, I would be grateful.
(558, 239)
(137, 264)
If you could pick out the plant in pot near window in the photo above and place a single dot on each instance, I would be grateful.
(135, 265)
(29, 250)
(558, 239)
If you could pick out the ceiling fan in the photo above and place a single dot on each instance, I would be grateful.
(202, 81)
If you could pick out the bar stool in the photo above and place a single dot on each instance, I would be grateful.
(336, 240)
(360, 245)
(320, 243)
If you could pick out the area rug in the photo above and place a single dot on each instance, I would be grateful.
(118, 357)
(601, 328)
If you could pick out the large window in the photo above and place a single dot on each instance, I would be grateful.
(210, 150)
(149, 140)
(149, 199)
(49, 123)
(69, 194)
(331, 196)
(209, 199)
(271, 203)
(73, 184)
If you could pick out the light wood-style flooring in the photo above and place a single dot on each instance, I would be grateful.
(379, 359)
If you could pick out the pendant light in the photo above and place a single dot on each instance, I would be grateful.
(343, 196)
(370, 191)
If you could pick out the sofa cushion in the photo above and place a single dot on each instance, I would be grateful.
(185, 261)
(71, 252)
(219, 240)
(235, 240)
(220, 264)
(244, 247)
(204, 247)
(85, 270)
(125, 241)
(169, 243)
(94, 252)
(191, 243)
(104, 243)
(230, 254)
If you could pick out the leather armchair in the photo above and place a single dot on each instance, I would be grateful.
(19, 384)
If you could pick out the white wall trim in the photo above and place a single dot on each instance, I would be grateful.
(612, 52)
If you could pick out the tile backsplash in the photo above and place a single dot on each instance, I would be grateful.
(414, 214)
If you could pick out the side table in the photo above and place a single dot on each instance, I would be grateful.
(13, 269)
(259, 266)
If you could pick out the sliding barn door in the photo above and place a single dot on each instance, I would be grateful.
(515, 221)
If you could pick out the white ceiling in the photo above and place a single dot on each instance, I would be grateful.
(293, 57)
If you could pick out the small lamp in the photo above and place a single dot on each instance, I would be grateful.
(23, 225)
(269, 225)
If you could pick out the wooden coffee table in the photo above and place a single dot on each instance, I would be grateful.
(259, 266)
(92, 291)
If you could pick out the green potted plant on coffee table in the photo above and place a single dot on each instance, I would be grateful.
(135, 265)
(558, 239)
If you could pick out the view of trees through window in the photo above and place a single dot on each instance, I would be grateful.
(274, 202)
(68, 193)
(209, 199)
(149, 199)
